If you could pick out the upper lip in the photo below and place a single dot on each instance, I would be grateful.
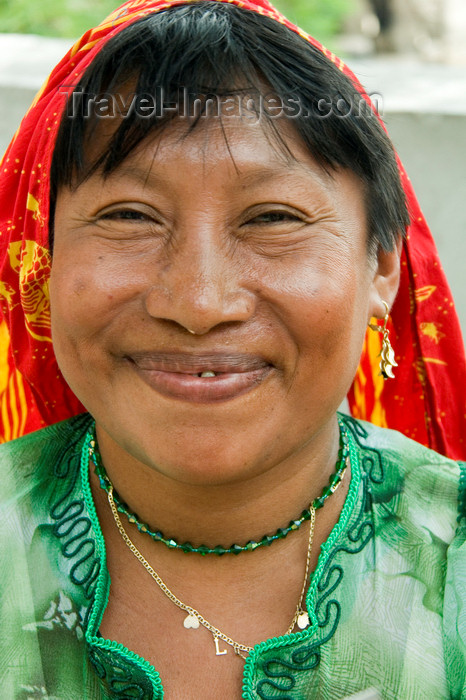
(194, 363)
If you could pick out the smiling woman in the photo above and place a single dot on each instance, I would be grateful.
(203, 221)
(251, 268)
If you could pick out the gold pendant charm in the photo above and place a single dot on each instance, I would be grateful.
(387, 360)
(387, 354)
(191, 622)
(303, 620)
(217, 649)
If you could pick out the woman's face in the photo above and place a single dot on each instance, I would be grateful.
(262, 255)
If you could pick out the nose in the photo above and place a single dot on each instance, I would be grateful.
(200, 285)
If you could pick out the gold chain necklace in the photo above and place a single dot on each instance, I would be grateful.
(194, 618)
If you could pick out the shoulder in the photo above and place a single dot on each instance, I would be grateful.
(53, 435)
(414, 486)
(49, 558)
(29, 445)
(393, 443)
(402, 457)
(415, 502)
(36, 459)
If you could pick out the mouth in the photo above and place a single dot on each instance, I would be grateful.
(201, 378)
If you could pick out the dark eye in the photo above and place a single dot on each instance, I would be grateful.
(274, 217)
(125, 215)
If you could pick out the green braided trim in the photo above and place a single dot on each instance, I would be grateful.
(103, 589)
(326, 548)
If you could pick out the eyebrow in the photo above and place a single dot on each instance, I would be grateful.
(261, 176)
(136, 173)
(254, 176)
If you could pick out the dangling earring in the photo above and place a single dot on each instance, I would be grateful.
(387, 354)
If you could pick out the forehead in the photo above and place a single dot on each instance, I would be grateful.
(220, 169)
(240, 144)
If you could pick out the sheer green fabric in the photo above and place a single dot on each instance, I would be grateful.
(387, 601)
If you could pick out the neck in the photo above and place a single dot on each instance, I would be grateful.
(225, 513)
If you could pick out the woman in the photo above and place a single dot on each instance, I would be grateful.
(225, 219)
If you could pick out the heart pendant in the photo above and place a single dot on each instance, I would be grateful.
(303, 620)
(191, 622)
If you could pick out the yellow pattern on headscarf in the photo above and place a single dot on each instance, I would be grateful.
(33, 205)
(359, 390)
(374, 344)
(13, 405)
(33, 263)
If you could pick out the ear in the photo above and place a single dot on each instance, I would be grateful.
(386, 279)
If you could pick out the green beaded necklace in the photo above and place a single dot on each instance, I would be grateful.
(90, 446)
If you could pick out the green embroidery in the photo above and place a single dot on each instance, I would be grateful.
(285, 667)
(72, 527)
(121, 676)
(282, 673)
(123, 673)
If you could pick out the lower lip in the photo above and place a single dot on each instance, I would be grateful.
(187, 387)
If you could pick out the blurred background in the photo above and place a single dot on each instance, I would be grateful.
(409, 54)
(70, 18)
(426, 27)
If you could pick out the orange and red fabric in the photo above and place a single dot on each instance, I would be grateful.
(426, 401)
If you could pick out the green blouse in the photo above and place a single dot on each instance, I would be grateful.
(387, 601)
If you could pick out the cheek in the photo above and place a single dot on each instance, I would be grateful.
(67, 294)
(86, 294)
(323, 303)
(71, 295)
(80, 307)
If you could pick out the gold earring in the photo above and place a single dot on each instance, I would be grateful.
(387, 354)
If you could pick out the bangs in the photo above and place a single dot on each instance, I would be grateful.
(200, 60)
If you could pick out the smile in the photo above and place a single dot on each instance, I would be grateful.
(207, 378)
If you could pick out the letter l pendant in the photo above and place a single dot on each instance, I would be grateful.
(217, 650)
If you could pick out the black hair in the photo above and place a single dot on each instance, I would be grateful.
(217, 49)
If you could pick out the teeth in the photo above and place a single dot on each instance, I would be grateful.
(207, 374)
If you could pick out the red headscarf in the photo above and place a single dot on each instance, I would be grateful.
(426, 401)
